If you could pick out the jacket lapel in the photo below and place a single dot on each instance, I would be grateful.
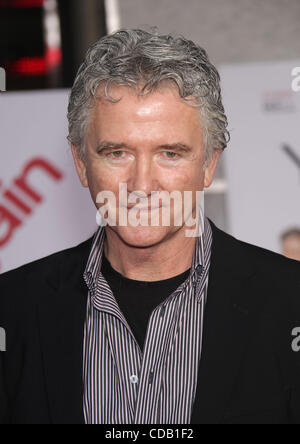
(62, 310)
(231, 305)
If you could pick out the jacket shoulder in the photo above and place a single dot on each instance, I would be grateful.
(263, 259)
(48, 265)
(271, 262)
(274, 280)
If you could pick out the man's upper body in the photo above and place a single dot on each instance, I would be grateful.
(147, 127)
(249, 369)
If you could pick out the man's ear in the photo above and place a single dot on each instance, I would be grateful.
(211, 168)
(80, 166)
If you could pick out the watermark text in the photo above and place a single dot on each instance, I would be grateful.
(2, 340)
(162, 208)
(296, 341)
(2, 80)
(296, 79)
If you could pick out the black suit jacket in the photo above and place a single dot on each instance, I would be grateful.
(248, 371)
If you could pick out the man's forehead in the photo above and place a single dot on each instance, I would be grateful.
(161, 116)
(113, 93)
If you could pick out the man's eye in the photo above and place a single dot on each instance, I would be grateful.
(116, 154)
(172, 156)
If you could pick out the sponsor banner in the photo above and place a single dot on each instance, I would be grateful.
(43, 207)
(262, 161)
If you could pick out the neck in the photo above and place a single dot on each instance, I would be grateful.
(164, 260)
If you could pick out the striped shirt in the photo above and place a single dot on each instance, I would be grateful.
(124, 385)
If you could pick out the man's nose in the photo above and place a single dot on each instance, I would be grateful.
(143, 178)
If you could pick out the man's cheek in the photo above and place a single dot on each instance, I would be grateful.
(179, 180)
(190, 181)
(98, 179)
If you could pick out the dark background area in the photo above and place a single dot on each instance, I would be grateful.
(28, 62)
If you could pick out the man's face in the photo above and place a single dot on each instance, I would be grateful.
(151, 143)
(291, 247)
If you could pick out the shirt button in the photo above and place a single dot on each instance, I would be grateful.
(134, 379)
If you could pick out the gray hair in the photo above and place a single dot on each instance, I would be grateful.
(143, 60)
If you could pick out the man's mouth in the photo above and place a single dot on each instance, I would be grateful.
(143, 207)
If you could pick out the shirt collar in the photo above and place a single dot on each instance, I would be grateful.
(200, 258)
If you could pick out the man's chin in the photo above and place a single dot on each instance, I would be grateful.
(142, 237)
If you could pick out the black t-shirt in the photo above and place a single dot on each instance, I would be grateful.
(137, 299)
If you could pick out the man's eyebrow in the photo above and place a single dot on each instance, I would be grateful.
(106, 145)
(180, 147)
